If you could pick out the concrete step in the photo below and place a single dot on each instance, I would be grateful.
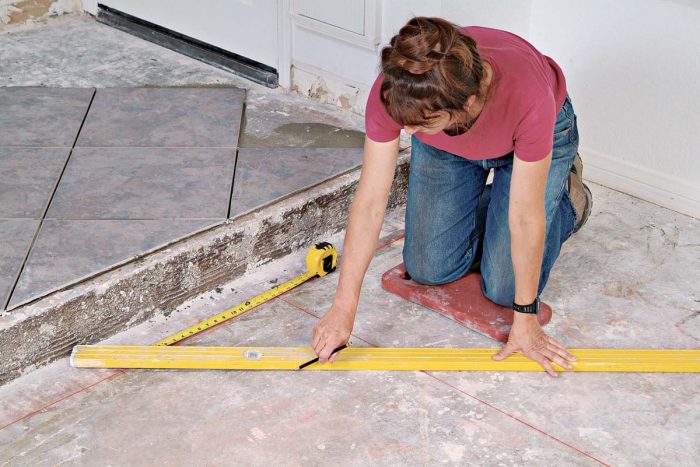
(46, 329)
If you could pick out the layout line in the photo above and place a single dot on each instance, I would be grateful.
(121, 372)
(116, 374)
(428, 373)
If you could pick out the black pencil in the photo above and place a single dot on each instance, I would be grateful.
(316, 359)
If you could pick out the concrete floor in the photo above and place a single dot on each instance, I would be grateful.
(628, 279)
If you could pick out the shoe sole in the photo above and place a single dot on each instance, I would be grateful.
(586, 210)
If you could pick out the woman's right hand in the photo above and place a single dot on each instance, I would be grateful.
(332, 331)
(364, 224)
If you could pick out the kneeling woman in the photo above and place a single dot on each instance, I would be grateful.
(474, 99)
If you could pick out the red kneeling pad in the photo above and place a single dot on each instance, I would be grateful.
(461, 300)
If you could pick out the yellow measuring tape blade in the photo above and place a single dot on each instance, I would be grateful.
(236, 310)
(321, 259)
(361, 358)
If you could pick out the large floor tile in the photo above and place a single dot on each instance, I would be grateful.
(32, 116)
(27, 177)
(15, 237)
(265, 174)
(67, 250)
(278, 120)
(302, 134)
(145, 183)
(164, 117)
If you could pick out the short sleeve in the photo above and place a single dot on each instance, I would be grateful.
(379, 126)
(534, 135)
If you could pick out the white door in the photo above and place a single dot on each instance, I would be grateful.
(244, 27)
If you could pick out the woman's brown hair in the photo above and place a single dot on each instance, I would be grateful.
(429, 66)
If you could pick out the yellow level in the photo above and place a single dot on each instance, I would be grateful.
(362, 358)
(320, 260)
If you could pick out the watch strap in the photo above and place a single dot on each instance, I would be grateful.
(532, 308)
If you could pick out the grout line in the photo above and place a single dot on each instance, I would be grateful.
(233, 181)
(46, 207)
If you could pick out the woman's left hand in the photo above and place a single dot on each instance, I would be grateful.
(526, 336)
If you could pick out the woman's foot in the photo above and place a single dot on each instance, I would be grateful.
(580, 195)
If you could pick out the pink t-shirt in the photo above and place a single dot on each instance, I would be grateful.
(527, 91)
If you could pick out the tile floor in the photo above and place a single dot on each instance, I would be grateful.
(96, 176)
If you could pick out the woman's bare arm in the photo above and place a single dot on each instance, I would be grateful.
(364, 225)
(527, 222)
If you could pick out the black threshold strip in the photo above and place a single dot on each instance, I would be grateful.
(186, 45)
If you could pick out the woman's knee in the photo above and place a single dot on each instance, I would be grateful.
(499, 288)
(433, 270)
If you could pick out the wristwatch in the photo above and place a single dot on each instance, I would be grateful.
(533, 307)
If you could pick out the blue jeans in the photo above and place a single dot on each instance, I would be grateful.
(453, 219)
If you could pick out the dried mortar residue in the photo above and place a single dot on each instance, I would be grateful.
(13, 12)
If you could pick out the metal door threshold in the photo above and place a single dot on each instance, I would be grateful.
(207, 53)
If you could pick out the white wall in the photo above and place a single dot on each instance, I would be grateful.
(334, 70)
(633, 73)
(511, 15)
(632, 69)
(395, 13)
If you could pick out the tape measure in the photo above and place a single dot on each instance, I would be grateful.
(321, 259)
(387, 358)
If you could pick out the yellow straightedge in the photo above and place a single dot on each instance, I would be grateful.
(320, 260)
(354, 358)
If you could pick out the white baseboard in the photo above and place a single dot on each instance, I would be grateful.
(90, 6)
(650, 185)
